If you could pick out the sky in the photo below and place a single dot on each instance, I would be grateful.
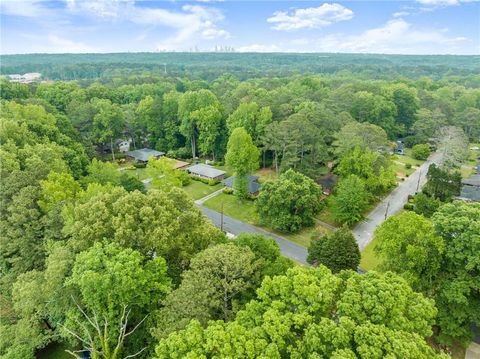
(391, 27)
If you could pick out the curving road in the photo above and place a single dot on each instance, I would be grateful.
(234, 226)
(394, 202)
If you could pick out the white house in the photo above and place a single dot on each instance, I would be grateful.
(123, 145)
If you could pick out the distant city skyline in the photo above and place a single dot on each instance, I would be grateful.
(390, 27)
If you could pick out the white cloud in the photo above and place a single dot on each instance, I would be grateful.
(192, 23)
(439, 2)
(400, 13)
(396, 36)
(25, 8)
(259, 48)
(310, 18)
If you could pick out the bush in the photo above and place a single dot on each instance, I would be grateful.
(408, 206)
(184, 178)
(408, 166)
(131, 168)
(421, 151)
(140, 165)
(210, 182)
(227, 190)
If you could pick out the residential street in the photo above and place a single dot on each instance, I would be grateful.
(363, 231)
(234, 226)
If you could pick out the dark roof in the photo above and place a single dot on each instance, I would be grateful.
(470, 193)
(253, 185)
(205, 170)
(144, 154)
(473, 180)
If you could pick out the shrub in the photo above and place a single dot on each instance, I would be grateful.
(131, 168)
(421, 151)
(140, 165)
(408, 206)
(212, 182)
(227, 190)
(408, 166)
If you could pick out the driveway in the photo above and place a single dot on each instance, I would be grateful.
(234, 226)
(393, 203)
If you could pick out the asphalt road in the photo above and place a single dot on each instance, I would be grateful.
(393, 203)
(234, 226)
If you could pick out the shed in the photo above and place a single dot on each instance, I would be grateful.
(206, 171)
(253, 185)
(144, 154)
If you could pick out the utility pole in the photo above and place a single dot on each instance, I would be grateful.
(221, 218)
(386, 210)
(418, 182)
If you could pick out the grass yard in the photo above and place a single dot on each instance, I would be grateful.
(233, 207)
(245, 211)
(369, 260)
(400, 162)
(197, 189)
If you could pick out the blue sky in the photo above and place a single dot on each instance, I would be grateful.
(402, 27)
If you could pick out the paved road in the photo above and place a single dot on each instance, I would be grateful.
(394, 201)
(234, 226)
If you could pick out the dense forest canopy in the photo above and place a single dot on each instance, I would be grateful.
(93, 258)
(207, 66)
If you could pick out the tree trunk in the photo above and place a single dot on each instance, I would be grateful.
(276, 162)
(193, 146)
(263, 156)
(111, 147)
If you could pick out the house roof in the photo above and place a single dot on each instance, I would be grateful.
(144, 154)
(253, 185)
(470, 193)
(205, 170)
(473, 180)
(180, 164)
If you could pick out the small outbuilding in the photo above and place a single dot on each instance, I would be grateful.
(181, 165)
(253, 184)
(144, 155)
(206, 171)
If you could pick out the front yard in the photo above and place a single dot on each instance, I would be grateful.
(400, 164)
(245, 212)
(197, 189)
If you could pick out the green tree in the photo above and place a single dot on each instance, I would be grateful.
(217, 279)
(108, 122)
(242, 156)
(375, 169)
(157, 223)
(188, 104)
(408, 245)
(310, 312)
(425, 205)
(442, 184)
(57, 188)
(457, 296)
(350, 200)
(337, 251)
(362, 135)
(290, 202)
(421, 151)
(164, 175)
(115, 288)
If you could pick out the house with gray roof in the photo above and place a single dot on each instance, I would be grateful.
(470, 191)
(253, 185)
(144, 155)
(206, 171)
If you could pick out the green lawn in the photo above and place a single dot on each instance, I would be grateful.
(369, 260)
(197, 189)
(233, 207)
(245, 211)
